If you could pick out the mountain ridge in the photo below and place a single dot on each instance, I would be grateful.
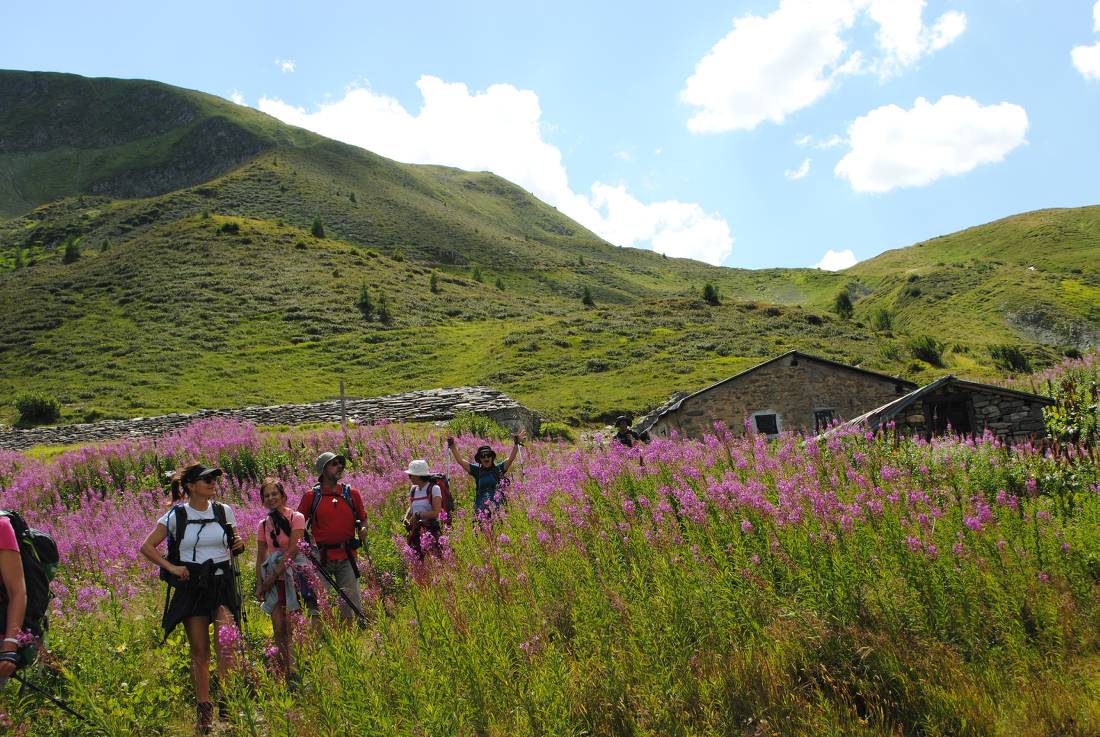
(229, 264)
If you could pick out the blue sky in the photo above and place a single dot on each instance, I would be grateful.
(683, 127)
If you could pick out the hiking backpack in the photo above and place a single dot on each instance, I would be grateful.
(40, 560)
(444, 484)
(180, 522)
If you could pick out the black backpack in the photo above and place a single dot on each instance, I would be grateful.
(40, 561)
(181, 520)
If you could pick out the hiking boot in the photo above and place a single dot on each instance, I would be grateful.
(223, 709)
(206, 717)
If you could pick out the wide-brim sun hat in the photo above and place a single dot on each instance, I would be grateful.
(324, 459)
(419, 468)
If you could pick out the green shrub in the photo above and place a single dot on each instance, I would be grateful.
(72, 250)
(93, 414)
(557, 431)
(1010, 358)
(385, 316)
(318, 227)
(20, 262)
(365, 304)
(927, 349)
(586, 298)
(842, 304)
(710, 294)
(500, 284)
(881, 319)
(37, 407)
(433, 284)
(231, 228)
(476, 274)
(596, 366)
(480, 426)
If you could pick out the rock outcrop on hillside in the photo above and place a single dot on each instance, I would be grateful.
(421, 406)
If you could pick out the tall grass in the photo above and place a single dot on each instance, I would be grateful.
(723, 587)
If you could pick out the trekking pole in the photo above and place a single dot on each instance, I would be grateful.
(54, 700)
(332, 582)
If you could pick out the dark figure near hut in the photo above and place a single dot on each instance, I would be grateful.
(625, 435)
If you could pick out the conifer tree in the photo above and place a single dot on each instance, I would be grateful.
(384, 315)
(586, 298)
(364, 303)
(318, 228)
(72, 250)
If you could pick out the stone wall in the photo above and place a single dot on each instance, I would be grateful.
(792, 388)
(1007, 416)
(422, 406)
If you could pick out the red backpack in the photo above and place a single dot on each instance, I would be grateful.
(444, 484)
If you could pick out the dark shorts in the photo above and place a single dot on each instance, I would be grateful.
(202, 595)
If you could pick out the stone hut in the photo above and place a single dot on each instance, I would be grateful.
(794, 391)
(967, 407)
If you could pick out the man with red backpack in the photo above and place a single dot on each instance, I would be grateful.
(336, 520)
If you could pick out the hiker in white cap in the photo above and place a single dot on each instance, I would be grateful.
(425, 505)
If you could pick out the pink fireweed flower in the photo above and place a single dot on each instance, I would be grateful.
(746, 526)
(229, 636)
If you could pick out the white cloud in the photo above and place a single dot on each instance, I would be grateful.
(1087, 60)
(892, 147)
(770, 66)
(836, 260)
(286, 65)
(500, 130)
(796, 174)
(826, 143)
(904, 38)
(237, 97)
(623, 156)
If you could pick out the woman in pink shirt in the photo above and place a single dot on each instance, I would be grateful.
(276, 549)
(13, 598)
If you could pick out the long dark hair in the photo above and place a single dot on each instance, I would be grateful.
(178, 487)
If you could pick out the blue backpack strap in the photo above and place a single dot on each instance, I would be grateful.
(316, 491)
(346, 493)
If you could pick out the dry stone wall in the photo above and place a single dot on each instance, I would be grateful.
(421, 406)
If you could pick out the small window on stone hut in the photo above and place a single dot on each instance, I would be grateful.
(767, 424)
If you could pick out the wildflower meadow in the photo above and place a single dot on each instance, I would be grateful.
(860, 585)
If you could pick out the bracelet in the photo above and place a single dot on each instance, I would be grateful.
(10, 657)
(12, 640)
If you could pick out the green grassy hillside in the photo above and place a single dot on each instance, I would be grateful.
(200, 284)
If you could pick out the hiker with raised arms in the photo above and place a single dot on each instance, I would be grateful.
(425, 506)
(198, 568)
(13, 599)
(335, 517)
(488, 474)
(277, 583)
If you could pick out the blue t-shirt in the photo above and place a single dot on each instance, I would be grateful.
(487, 481)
